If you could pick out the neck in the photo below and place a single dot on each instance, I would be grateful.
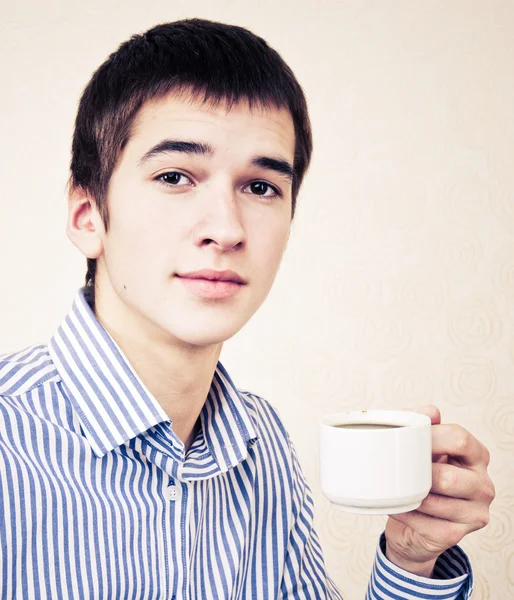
(177, 375)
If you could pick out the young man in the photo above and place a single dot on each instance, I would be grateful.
(130, 464)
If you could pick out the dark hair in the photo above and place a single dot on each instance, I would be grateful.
(212, 61)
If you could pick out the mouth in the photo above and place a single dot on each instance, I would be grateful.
(212, 284)
(212, 275)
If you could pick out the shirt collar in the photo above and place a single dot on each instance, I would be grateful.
(114, 405)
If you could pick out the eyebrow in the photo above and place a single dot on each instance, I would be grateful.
(167, 146)
(278, 165)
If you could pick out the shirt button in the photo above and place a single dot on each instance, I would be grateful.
(173, 492)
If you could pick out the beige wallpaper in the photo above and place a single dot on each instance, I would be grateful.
(398, 285)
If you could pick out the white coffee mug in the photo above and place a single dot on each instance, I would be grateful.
(376, 461)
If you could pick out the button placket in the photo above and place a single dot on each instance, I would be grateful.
(176, 497)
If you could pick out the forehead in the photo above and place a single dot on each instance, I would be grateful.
(256, 129)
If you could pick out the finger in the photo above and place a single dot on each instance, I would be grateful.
(437, 533)
(439, 458)
(473, 514)
(430, 410)
(456, 482)
(458, 442)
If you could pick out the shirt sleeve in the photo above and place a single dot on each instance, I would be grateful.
(452, 580)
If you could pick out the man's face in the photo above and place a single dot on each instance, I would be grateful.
(196, 188)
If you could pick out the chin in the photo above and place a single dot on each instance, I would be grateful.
(206, 336)
(203, 340)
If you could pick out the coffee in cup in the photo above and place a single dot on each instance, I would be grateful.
(367, 426)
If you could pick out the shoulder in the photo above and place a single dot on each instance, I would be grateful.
(26, 369)
(275, 447)
(264, 415)
(270, 428)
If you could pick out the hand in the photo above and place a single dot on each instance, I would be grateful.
(457, 504)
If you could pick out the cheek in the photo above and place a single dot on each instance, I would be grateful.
(141, 240)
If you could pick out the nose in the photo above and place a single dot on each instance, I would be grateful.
(220, 223)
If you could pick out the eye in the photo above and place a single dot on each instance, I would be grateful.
(173, 179)
(262, 188)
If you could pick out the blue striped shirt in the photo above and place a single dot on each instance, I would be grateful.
(98, 499)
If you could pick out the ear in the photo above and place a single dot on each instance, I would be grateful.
(85, 226)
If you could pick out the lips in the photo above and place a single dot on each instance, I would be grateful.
(212, 275)
(212, 285)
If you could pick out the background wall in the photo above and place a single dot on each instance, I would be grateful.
(398, 285)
